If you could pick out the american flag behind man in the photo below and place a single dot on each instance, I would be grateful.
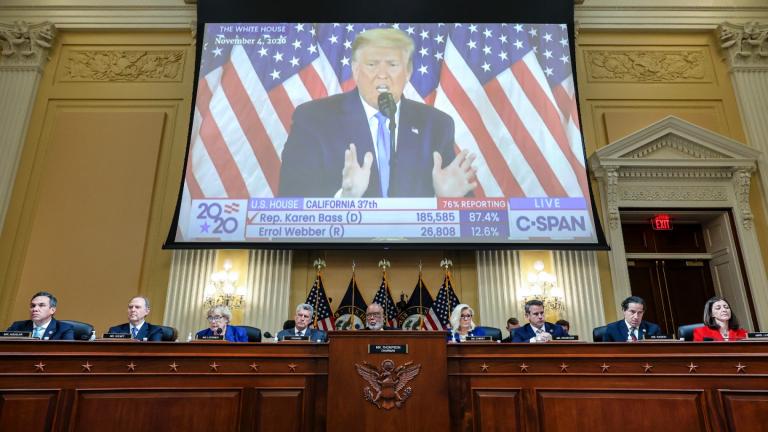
(323, 318)
(508, 87)
(384, 298)
(438, 317)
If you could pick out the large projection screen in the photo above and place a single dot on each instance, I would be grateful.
(385, 129)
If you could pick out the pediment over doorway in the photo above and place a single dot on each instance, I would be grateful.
(674, 142)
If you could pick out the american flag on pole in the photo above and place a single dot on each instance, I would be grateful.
(508, 87)
(384, 298)
(323, 318)
(438, 317)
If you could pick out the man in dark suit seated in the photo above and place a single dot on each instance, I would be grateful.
(42, 324)
(512, 325)
(632, 328)
(537, 330)
(374, 318)
(137, 327)
(349, 134)
(304, 314)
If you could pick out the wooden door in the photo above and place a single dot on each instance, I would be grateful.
(674, 290)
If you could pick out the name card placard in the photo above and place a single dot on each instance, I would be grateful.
(116, 336)
(659, 337)
(566, 338)
(758, 335)
(16, 334)
(296, 338)
(387, 349)
(210, 338)
(478, 339)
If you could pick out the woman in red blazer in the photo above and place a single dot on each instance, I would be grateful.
(720, 324)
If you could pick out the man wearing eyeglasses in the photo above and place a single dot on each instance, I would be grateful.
(137, 327)
(303, 319)
(537, 330)
(374, 318)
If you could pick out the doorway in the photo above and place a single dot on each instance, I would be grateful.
(675, 271)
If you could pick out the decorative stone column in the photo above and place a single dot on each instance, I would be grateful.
(746, 50)
(24, 51)
(268, 289)
(577, 273)
(190, 272)
(498, 283)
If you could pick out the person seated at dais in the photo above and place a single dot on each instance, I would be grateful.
(218, 322)
(374, 318)
(41, 322)
(137, 327)
(303, 319)
(462, 324)
(720, 323)
(633, 327)
(537, 329)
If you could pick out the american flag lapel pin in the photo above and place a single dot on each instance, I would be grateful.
(415, 130)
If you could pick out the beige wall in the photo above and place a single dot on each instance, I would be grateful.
(99, 175)
(628, 80)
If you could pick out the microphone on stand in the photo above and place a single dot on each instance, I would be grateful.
(219, 331)
(388, 107)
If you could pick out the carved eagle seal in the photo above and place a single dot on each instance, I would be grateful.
(387, 385)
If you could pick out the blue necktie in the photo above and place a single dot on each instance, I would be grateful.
(38, 333)
(134, 332)
(382, 147)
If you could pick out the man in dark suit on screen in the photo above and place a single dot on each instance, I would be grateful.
(632, 328)
(339, 146)
(537, 330)
(137, 327)
(304, 314)
(41, 322)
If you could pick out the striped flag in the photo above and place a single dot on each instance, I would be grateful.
(323, 318)
(508, 87)
(438, 317)
(384, 298)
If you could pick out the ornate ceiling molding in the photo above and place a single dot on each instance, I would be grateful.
(645, 66)
(746, 46)
(24, 45)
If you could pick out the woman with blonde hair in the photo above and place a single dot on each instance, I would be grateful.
(462, 324)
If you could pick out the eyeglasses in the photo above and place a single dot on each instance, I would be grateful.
(374, 314)
(466, 316)
(215, 318)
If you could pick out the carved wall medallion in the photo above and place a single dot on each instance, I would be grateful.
(387, 385)
(123, 65)
(646, 66)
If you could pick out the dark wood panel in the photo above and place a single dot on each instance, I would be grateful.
(172, 409)
(497, 410)
(28, 411)
(130, 410)
(425, 409)
(279, 410)
(624, 410)
(746, 411)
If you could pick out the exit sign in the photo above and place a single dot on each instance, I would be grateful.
(661, 222)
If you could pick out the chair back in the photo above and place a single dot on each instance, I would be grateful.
(254, 334)
(686, 331)
(598, 333)
(493, 332)
(168, 333)
(82, 330)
